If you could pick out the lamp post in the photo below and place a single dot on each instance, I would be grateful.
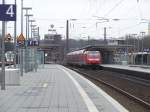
(37, 34)
(27, 24)
(27, 65)
(27, 9)
(15, 41)
(3, 55)
(21, 57)
(22, 16)
(67, 36)
(31, 26)
(21, 54)
(33, 29)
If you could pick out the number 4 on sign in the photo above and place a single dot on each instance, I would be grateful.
(10, 11)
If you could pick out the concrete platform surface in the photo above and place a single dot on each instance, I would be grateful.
(56, 89)
(139, 68)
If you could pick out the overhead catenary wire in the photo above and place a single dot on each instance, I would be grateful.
(139, 9)
(113, 8)
(130, 27)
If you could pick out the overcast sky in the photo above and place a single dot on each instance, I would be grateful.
(47, 12)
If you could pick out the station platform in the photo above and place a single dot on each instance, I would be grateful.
(55, 88)
(137, 68)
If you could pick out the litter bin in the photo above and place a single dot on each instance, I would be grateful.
(12, 77)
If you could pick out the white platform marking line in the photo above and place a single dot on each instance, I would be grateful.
(117, 105)
(90, 105)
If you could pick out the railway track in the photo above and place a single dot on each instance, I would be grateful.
(142, 101)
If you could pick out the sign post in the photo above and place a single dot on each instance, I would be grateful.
(21, 45)
(33, 44)
(7, 13)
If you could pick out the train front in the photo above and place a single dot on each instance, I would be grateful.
(93, 58)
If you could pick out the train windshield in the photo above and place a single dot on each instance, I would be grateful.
(93, 54)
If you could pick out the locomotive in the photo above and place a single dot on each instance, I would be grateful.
(84, 58)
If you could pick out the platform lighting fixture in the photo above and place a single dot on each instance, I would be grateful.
(31, 21)
(27, 24)
(28, 15)
(27, 8)
(73, 19)
(61, 27)
(27, 37)
(83, 27)
(103, 18)
(33, 26)
(115, 19)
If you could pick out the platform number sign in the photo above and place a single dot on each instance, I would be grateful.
(8, 12)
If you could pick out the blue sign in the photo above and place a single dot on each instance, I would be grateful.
(32, 43)
(7, 12)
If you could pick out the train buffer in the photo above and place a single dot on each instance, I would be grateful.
(56, 88)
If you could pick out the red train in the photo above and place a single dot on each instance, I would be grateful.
(84, 57)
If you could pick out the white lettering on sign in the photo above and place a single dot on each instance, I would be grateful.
(10, 11)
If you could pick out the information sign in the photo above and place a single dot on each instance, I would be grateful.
(7, 12)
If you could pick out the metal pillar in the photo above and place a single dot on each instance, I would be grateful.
(15, 50)
(143, 33)
(21, 54)
(127, 47)
(38, 33)
(3, 54)
(149, 28)
(67, 36)
(22, 16)
(88, 40)
(105, 41)
(31, 30)
(31, 27)
(26, 25)
(134, 47)
(35, 59)
(27, 37)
